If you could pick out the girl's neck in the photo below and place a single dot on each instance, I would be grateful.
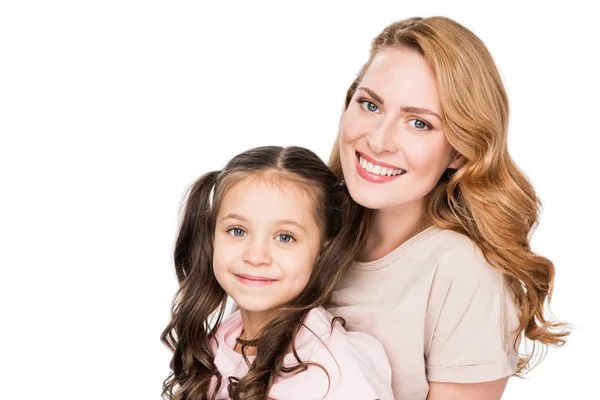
(253, 322)
(390, 228)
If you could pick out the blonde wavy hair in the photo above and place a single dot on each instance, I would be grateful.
(487, 198)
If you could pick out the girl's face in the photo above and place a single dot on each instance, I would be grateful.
(392, 147)
(266, 243)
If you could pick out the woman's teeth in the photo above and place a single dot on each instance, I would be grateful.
(378, 169)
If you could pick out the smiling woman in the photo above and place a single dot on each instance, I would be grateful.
(392, 132)
(446, 279)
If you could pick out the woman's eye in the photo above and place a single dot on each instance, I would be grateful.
(369, 106)
(419, 124)
(284, 238)
(237, 232)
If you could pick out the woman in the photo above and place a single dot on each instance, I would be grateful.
(445, 279)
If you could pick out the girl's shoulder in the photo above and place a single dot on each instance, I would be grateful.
(321, 326)
(348, 350)
(223, 341)
(348, 363)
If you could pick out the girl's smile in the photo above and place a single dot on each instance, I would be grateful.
(257, 281)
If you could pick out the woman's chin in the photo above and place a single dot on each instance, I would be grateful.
(367, 199)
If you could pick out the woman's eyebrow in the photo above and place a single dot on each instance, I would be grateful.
(371, 93)
(419, 110)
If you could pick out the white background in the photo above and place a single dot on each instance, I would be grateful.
(110, 109)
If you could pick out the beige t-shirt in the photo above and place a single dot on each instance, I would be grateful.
(442, 313)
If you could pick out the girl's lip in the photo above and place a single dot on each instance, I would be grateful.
(254, 277)
(257, 281)
(373, 161)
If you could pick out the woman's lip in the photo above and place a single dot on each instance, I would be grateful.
(372, 161)
(366, 175)
(252, 280)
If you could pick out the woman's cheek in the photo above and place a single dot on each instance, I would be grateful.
(351, 128)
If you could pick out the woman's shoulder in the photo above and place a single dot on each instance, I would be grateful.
(457, 254)
(470, 318)
(436, 242)
(446, 239)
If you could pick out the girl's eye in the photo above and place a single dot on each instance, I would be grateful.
(237, 232)
(285, 238)
(368, 106)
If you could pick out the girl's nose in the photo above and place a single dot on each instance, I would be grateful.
(257, 253)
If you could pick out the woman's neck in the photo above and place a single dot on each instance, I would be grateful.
(390, 228)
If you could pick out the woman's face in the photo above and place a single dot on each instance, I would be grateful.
(392, 146)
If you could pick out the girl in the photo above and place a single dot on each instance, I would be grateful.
(276, 236)
(446, 279)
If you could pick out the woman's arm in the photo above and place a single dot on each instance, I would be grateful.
(467, 391)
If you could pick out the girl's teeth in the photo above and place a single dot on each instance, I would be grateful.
(390, 172)
(384, 171)
(369, 167)
(376, 170)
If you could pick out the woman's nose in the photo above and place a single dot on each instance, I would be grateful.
(383, 138)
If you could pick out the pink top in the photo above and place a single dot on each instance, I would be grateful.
(356, 363)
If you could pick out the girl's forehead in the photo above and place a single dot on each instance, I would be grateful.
(260, 205)
(283, 180)
(268, 194)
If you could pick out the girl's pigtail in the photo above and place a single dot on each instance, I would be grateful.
(199, 298)
(195, 223)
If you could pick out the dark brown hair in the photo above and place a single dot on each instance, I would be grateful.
(199, 305)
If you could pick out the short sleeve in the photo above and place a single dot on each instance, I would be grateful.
(470, 321)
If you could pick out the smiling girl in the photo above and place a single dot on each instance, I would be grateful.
(276, 236)
(446, 279)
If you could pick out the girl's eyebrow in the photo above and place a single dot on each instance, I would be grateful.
(290, 222)
(233, 216)
(407, 109)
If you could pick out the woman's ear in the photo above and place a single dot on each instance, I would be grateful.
(456, 161)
